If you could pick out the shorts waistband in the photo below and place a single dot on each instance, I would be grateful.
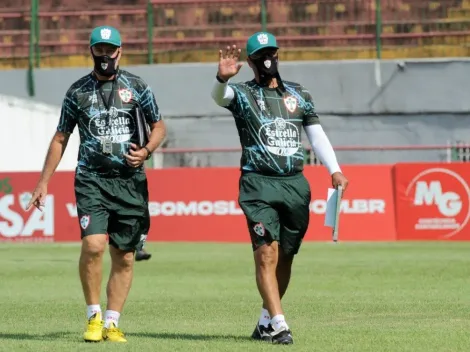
(80, 171)
(272, 177)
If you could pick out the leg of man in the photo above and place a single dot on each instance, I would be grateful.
(294, 221)
(90, 269)
(256, 197)
(266, 260)
(128, 225)
(120, 278)
(294, 224)
(283, 271)
(293, 210)
(93, 219)
(117, 290)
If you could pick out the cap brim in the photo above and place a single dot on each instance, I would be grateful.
(106, 42)
(264, 47)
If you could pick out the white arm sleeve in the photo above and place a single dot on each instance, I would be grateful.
(222, 93)
(322, 147)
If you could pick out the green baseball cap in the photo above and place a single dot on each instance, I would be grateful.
(260, 40)
(105, 34)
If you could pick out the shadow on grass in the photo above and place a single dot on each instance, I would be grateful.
(163, 335)
(39, 337)
(192, 337)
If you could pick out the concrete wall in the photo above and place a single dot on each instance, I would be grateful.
(338, 87)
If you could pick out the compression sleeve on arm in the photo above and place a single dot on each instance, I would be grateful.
(222, 93)
(322, 147)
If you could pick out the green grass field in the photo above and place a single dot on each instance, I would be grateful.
(202, 297)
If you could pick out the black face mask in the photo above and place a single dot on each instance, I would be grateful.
(105, 65)
(266, 67)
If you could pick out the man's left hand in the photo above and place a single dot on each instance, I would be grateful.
(136, 156)
(338, 179)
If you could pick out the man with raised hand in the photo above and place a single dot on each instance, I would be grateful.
(274, 195)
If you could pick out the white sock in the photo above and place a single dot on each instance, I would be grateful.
(92, 309)
(111, 316)
(264, 318)
(279, 322)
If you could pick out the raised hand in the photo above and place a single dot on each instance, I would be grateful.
(228, 62)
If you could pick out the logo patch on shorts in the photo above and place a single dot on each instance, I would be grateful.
(85, 221)
(259, 229)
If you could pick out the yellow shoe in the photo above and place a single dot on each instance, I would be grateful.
(113, 334)
(93, 329)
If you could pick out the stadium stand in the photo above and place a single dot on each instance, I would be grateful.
(185, 30)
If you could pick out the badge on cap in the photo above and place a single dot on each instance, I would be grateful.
(263, 39)
(105, 33)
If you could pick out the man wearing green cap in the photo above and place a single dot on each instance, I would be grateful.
(111, 108)
(274, 194)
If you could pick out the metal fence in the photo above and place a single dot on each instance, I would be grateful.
(230, 157)
(55, 33)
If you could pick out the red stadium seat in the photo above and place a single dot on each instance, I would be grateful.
(209, 24)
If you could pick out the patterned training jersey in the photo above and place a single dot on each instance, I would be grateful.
(269, 125)
(85, 107)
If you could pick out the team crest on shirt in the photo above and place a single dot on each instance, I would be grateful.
(290, 103)
(259, 229)
(125, 95)
(85, 221)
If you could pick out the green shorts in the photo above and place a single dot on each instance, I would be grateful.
(276, 209)
(117, 206)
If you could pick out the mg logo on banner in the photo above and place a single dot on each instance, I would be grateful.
(433, 202)
(448, 203)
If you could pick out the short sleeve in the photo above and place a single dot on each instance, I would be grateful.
(310, 116)
(69, 113)
(149, 105)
